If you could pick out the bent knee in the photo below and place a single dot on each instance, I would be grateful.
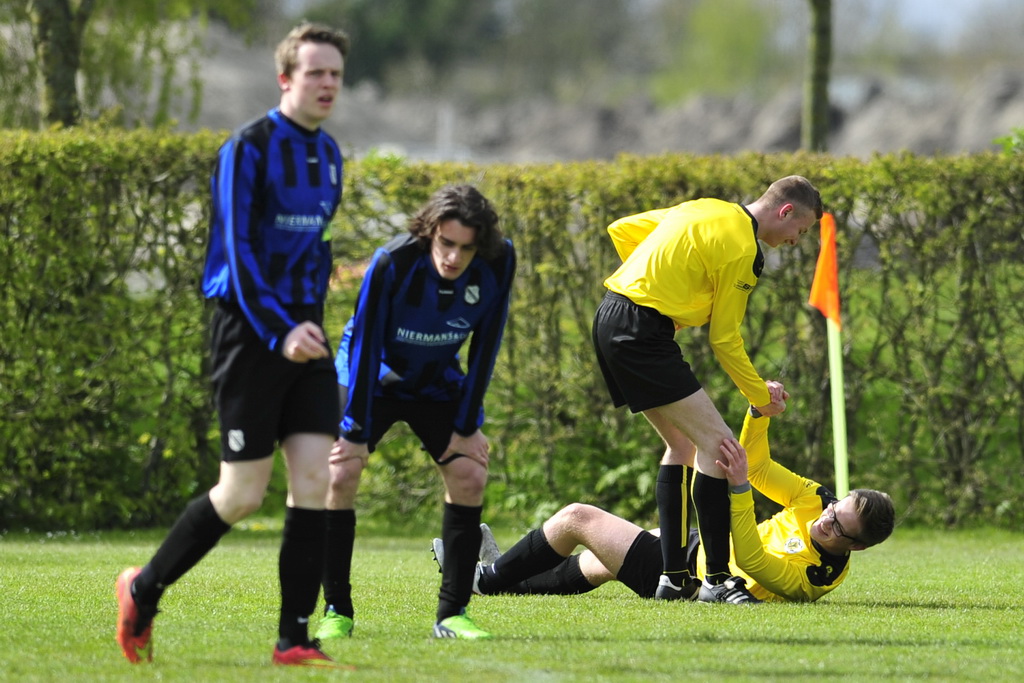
(465, 481)
(345, 475)
(476, 479)
(576, 514)
(238, 507)
(679, 456)
(467, 472)
(472, 485)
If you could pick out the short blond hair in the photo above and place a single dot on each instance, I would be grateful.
(794, 189)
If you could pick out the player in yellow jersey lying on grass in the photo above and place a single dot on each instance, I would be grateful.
(799, 554)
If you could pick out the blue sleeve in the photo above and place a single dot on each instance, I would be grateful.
(366, 347)
(483, 352)
(234, 193)
(341, 357)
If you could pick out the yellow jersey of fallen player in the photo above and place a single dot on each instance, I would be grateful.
(777, 556)
(695, 263)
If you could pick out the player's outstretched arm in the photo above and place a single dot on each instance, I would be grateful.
(778, 395)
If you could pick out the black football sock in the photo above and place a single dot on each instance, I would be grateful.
(711, 503)
(194, 534)
(460, 533)
(530, 556)
(565, 579)
(673, 503)
(337, 581)
(300, 567)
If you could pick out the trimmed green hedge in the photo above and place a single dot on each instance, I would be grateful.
(107, 417)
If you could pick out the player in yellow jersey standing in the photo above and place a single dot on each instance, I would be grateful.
(686, 266)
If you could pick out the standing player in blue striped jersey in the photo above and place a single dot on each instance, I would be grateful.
(423, 296)
(276, 187)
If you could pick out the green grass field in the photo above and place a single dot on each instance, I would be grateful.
(924, 605)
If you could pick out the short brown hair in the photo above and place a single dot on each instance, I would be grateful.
(794, 189)
(286, 55)
(876, 514)
(466, 204)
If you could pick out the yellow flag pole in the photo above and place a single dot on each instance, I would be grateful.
(825, 297)
(835, 369)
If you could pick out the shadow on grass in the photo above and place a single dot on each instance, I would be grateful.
(830, 644)
(938, 605)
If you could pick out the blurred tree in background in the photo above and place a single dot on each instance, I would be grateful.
(603, 51)
(64, 59)
(495, 49)
(718, 48)
(393, 40)
(571, 50)
(144, 56)
(814, 121)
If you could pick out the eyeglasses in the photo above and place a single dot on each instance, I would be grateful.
(837, 528)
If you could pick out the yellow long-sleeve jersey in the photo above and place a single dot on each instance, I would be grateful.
(777, 556)
(695, 263)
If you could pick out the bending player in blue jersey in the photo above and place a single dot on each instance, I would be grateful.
(275, 189)
(423, 296)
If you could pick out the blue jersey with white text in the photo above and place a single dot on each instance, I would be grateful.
(408, 327)
(275, 188)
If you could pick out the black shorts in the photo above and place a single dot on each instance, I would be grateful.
(639, 358)
(262, 397)
(641, 568)
(431, 421)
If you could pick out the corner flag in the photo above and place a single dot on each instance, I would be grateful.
(825, 287)
(825, 297)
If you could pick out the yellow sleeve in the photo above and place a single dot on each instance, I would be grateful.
(628, 232)
(732, 289)
(766, 552)
(783, 576)
(766, 475)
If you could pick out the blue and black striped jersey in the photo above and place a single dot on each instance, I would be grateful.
(411, 320)
(275, 189)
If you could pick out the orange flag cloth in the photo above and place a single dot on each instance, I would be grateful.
(825, 287)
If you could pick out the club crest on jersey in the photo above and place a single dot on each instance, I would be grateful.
(334, 173)
(472, 294)
(794, 545)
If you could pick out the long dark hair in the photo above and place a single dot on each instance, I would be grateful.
(466, 204)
